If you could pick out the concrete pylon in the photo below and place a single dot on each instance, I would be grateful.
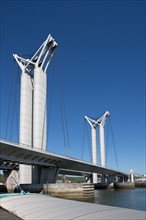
(25, 134)
(33, 101)
(94, 153)
(102, 145)
(101, 122)
(39, 109)
(93, 142)
(94, 123)
(132, 176)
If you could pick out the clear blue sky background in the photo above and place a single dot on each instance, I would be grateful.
(99, 63)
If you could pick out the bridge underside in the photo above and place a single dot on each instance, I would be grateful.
(47, 164)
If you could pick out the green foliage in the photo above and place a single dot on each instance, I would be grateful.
(73, 179)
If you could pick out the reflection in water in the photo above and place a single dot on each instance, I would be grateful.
(127, 198)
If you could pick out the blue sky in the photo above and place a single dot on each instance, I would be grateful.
(99, 63)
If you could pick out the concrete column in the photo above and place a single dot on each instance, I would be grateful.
(39, 109)
(94, 157)
(49, 174)
(43, 175)
(103, 179)
(26, 110)
(132, 175)
(25, 174)
(25, 171)
(102, 146)
(110, 179)
(36, 174)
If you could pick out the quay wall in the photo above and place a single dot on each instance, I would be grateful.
(140, 184)
(69, 190)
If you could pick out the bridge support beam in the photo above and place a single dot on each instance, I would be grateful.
(42, 175)
(94, 158)
(111, 179)
(103, 178)
(132, 176)
(49, 175)
(26, 102)
(102, 147)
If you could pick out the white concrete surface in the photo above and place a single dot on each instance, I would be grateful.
(41, 207)
(39, 109)
(25, 171)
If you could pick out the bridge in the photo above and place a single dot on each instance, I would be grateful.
(30, 157)
(12, 154)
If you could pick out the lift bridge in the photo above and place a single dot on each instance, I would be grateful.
(30, 157)
(49, 164)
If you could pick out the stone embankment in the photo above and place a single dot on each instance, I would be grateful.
(69, 190)
(140, 184)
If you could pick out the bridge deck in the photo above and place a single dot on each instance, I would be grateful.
(12, 154)
(35, 206)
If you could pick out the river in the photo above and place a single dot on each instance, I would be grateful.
(126, 198)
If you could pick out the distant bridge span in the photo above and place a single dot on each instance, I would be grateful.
(12, 154)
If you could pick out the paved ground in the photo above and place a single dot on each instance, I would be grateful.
(42, 207)
(5, 215)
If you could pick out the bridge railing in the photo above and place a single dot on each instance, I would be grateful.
(32, 148)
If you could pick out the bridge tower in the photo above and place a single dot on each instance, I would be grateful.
(101, 123)
(94, 123)
(33, 96)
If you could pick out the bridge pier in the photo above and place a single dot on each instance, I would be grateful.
(132, 176)
(103, 178)
(110, 179)
(42, 175)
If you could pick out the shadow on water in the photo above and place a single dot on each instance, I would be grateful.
(126, 198)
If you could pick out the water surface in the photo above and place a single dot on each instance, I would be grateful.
(126, 198)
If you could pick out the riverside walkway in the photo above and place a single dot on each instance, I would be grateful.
(43, 207)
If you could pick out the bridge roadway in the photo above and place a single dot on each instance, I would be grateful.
(12, 154)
